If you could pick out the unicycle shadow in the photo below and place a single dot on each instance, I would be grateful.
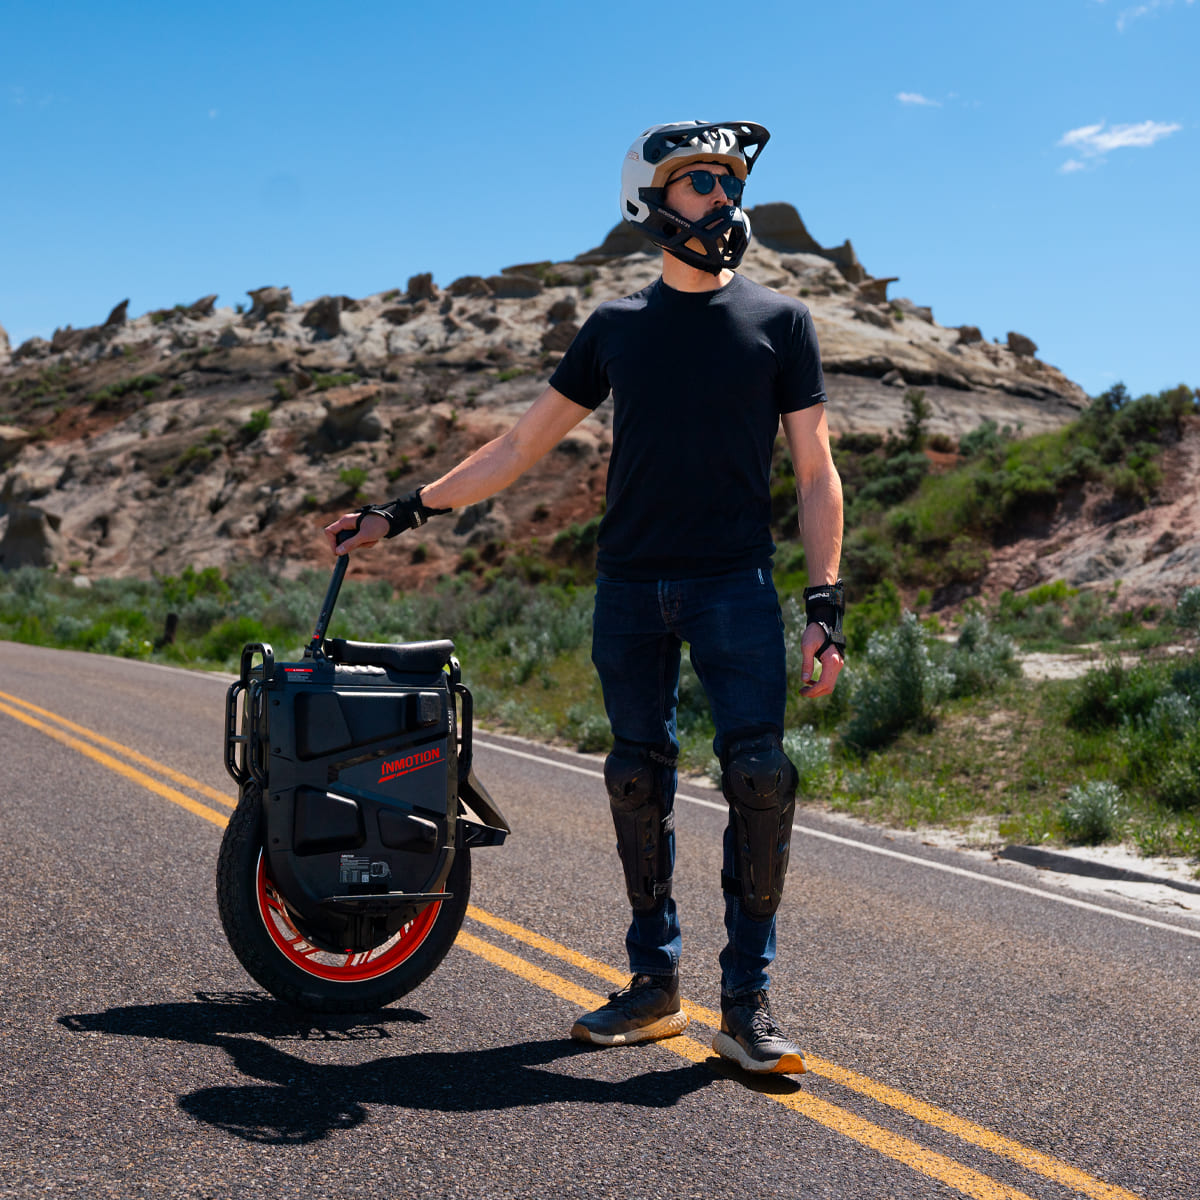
(283, 1099)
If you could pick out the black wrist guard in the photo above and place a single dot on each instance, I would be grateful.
(406, 512)
(826, 606)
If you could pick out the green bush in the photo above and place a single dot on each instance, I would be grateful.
(344, 378)
(224, 641)
(588, 728)
(899, 477)
(867, 557)
(107, 397)
(811, 755)
(1153, 708)
(981, 659)
(196, 458)
(1017, 604)
(1187, 610)
(916, 423)
(578, 541)
(1108, 696)
(1026, 492)
(1053, 614)
(964, 560)
(879, 608)
(523, 720)
(1177, 785)
(1094, 812)
(899, 687)
(353, 478)
(985, 437)
(1162, 749)
(260, 419)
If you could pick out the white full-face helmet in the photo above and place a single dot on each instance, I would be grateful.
(657, 154)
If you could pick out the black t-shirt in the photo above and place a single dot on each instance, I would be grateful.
(699, 380)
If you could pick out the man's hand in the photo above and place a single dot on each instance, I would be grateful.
(831, 664)
(371, 527)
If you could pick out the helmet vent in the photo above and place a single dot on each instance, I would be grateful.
(631, 208)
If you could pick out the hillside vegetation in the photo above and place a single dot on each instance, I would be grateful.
(1114, 753)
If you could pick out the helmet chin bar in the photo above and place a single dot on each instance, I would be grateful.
(724, 233)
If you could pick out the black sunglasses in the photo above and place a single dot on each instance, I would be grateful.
(703, 183)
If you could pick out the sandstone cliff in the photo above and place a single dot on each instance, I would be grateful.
(204, 436)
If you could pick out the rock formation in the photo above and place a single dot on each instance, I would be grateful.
(199, 436)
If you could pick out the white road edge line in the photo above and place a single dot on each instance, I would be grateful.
(857, 845)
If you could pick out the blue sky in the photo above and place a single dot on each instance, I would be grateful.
(1033, 166)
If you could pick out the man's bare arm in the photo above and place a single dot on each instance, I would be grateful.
(487, 471)
(819, 491)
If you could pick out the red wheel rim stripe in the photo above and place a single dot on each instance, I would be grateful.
(356, 967)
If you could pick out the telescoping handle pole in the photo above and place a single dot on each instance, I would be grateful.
(313, 649)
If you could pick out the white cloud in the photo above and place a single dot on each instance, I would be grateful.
(1094, 141)
(1080, 136)
(1072, 164)
(1128, 15)
(917, 98)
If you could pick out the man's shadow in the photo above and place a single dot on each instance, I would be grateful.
(297, 1102)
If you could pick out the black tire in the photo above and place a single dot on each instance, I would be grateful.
(323, 987)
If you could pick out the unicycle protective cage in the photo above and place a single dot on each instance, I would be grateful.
(363, 764)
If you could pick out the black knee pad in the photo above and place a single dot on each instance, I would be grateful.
(637, 794)
(759, 781)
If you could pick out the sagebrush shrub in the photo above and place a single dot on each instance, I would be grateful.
(899, 687)
(589, 727)
(1187, 611)
(981, 659)
(1093, 812)
(810, 754)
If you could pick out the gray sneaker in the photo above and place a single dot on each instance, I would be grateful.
(645, 1009)
(750, 1037)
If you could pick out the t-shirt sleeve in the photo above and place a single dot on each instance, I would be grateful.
(580, 374)
(801, 379)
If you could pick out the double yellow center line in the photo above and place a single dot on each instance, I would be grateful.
(966, 1180)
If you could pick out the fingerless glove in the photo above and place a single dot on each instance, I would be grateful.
(406, 512)
(826, 606)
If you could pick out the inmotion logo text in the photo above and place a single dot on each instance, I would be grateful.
(413, 762)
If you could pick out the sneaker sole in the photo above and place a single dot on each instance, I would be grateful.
(732, 1051)
(664, 1027)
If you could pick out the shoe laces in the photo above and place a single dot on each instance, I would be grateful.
(632, 992)
(763, 1023)
(759, 1016)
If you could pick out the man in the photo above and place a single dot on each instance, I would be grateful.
(702, 366)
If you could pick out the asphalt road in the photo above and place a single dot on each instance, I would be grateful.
(972, 1030)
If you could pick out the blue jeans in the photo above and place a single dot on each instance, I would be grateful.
(734, 629)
